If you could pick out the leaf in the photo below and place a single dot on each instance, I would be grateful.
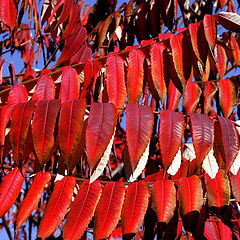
(173, 96)
(175, 165)
(164, 200)
(139, 124)
(191, 96)
(236, 165)
(10, 188)
(159, 68)
(70, 85)
(43, 128)
(9, 12)
(70, 128)
(108, 210)
(18, 94)
(202, 131)
(101, 124)
(135, 75)
(221, 60)
(210, 89)
(229, 140)
(229, 20)
(116, 80)
(68, 4)
(31, 200)
(83, 54)
(227, 96)
(235, 183)
(171, 128)
(190, 194)
(134, 207)
(45, 89)
(82, 210)
(21, 117)
(102, 32)
(218, 189)
(210, 165)
(2, 60)
(210, 30)
(57, 207)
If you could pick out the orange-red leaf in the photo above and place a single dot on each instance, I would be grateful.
(164, 200)
(70, 128)
(210, 89)
(171, 128)
(218, 189)
(134, 207)
(31, 200)
(221, 61)
(116, 80)
(135, 75)
(57, 207)
(210, 30)
(190, 194)
(10, 189)
(18, 94)
(70, 84)
(103, 30)
(108, 210)
(173, 96)
(82, 210)
(66, 10)
(21, 117)
(43, 128)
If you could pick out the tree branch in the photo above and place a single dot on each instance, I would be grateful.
(7, 227)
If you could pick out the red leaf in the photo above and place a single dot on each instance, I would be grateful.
(103, 30)
(210, 89)
(43, 128)
(31, 200)
(139, 123)
(135, 75)
(2, 60)
(116, 80)
(221, 61)
(171, 128)
(190, 194)
(45, 89)
(164, 200)
(108, 210)
(210, 30)
(21, 117)
(101, 124)
(134, 207)
(159, 68)
(191, 96)
(70, 128)
(229, 138)
(218, 189)
(57, 207)
(202, 130)
(66, 10)
(8, 12)
(10, 189)
(82, 55)
(82, 210)
(173, 96)
(70, 84)
(235, 183)
(227, 96)
(229, 20)
(17, 95)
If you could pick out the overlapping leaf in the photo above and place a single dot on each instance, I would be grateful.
(66, 10)
(210, 30)
(210, 89)
(18, 94)
(43, 128)
(57, 207)
(9, 12)
(108, 210)
(221, 61)
(229, 20)
(134, 207)
(235, 183)
(173, 97)
(82, 210)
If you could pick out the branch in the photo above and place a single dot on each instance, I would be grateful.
(7, 227)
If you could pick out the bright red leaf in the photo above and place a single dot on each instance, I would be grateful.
(173, 96)
(18, 94)
(221, 60)
(210, 30)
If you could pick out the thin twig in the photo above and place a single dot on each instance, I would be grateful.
(7, 227)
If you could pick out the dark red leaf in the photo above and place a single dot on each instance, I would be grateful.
(66, 10)
(82, 55)
(8, 12)
(173, 96)
(235, 183)
(210, 89)
(229, 20)
(2, 60)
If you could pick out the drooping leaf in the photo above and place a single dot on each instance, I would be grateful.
(175, 165)
(101, 125)
(83, 54)
(57, 206)
(171, 128)
(70, 127)
(103, 30)
(82, 210)
(210, 89)
(108, 210)
(116, 80)
(210, 30)
(45, 89)
(164, 200)
(229, 20)
(221, 61)
(190, 194)
(159, 68)
(66, 10)
(18, 94)
(70, 84)
(10, 188)
(236, 165)
(21, 117)
(227, 96)
(235, 183)
(134, 207)
(31, 200)
(9, 12)
(139, 123)
(218, 189)
(173, 96)
(210, 165)
(229, 139)
(202, 130)
(135, 75)
(191, 96)
(43, 128)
